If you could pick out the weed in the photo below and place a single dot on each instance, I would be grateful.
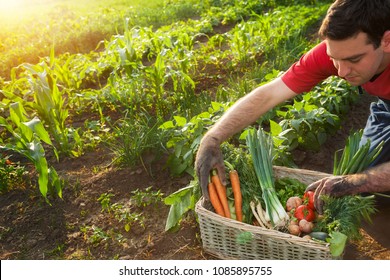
(94, 235)
(130, 218)
(133, 137)
(121, 213)
(105, 201)
(55, 253)
(146, 197)
(11, 174)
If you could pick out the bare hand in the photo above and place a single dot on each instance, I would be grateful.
(335, 186)
(209, 157)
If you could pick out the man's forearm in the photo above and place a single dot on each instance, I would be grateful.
(249, 108)
(242, 114)
(378, 178)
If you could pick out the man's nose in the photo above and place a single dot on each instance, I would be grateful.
(343, 69)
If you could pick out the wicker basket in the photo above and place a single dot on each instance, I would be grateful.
(229, 239)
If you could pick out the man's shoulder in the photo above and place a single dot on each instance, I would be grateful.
(312, 68)
(318, 54)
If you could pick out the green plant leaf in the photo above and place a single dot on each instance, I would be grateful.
(181, 201)
(167, 125)
(337, 242)
(17, 113)
(216, 106)
(244, 237)
(296, 124)
(180, 121)
(43, 175)
(177, 196)
(37, 127)
(275, 128)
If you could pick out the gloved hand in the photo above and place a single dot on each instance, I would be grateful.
(209, 157)
(336, 186)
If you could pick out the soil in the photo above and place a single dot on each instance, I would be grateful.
(78, 227)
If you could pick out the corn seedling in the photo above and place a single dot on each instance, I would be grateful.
(28, 139)
(49, 103)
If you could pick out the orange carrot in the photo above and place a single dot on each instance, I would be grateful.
(214, 199)
(235, 181)
(221, 191)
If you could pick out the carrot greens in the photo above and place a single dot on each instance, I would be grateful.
(345, 214)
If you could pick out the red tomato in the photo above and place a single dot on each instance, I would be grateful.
(304, 212)
(308, 199)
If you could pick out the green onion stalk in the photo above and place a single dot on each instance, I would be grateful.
(261, 149)
(355, 157)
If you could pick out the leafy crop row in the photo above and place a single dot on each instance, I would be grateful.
(157, 90)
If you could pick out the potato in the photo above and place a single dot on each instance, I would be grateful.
(306, 237)
(305, 226)
(294, 221)
(294, 230)
(293, 202)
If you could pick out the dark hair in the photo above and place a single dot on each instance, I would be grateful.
(346, 18)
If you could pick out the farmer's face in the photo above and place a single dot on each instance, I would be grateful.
(356, 60)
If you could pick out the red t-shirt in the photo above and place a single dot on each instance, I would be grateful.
(315, 66)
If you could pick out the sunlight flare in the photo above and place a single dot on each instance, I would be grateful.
(8, 5)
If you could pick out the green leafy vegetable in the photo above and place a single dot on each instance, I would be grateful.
(337, 242)
(244, 237)
(241, 160)
(288, 187)
(345, 214)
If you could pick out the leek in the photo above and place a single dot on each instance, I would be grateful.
(261, 149)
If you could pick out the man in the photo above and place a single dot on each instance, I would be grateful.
(355, 47)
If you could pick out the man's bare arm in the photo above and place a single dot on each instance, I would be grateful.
(373, 180)
(248, 109)
(377, 178)
(243, 113)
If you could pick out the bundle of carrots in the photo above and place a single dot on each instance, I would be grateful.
(218, 195)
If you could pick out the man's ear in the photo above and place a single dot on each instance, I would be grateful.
(386, 41)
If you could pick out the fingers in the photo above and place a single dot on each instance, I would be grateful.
(203, 168)
(313, 186)
(220, 166)
(319, 191)
(325, 186)
(203, 176)
(209, 157)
